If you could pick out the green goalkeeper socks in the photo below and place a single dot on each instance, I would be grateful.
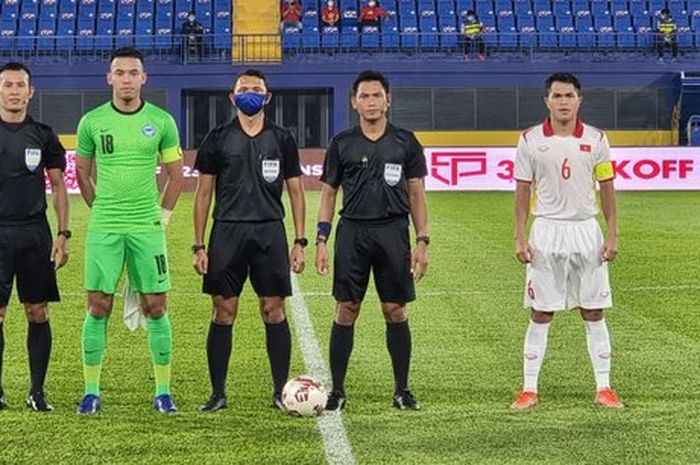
(94, 342)
(160, 341)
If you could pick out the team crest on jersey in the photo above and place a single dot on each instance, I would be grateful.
(270, 170)
(148, 130)
(392, 173)
(32, 158)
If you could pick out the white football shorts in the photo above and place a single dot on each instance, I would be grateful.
(567, 270)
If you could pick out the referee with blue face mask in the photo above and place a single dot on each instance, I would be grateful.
(245, 164)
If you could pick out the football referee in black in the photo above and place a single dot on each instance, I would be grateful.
(380, 168)
(247, 162)
(27, 249)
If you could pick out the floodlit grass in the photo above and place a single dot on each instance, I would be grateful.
(467, 327)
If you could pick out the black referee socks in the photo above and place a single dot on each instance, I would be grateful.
(219, 344)
(342, 338)
(398, 341)
(279, 350)
(39, 348)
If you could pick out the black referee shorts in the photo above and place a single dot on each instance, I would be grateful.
(240, 249)
(383, 247)
(25, 252)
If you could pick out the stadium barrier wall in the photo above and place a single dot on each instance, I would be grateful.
(491, 168)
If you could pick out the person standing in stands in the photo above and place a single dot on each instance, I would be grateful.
(330, 14)
(192, 31)
(666, 34)
(471, 36)
(371, 14)
(291, 14)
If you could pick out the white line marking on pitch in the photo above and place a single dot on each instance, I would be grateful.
(335, 439)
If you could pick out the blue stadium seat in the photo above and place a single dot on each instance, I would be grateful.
(202, 10)
(483, 7)
(626, 39)
(583, 22)
(164, 18)
(349, 16)
(391, 38)
(427, 19)
(525, 20)
(392, 18)
(694, 7)
(548, 39)
(65, 32)
(622, 21)
(449, 37)
(370, 37)
(29, 9)
(645, 37)
(68, 7)
(10, 9)
(310, 38)
(544, 21)
(561, 7)
(677, 8)
(463, 6)
(182, 10)
(567, 37)
(291, 39)
(310, 18)
(46, 35)
(693, 131)
(638, 7)
(144, 31)
(124, 32)
(447, 21)
(655, 7)
(409, 37)
(600, 7)
(542, 6)
(429, 38)
(585, 38)
(489, 19)
(617, 6)
(222, 33)
(503, 5)
(86, 9)
(561, 21)
(579, 6)
(641, 21)
(685, 37)
(145, 6)
(523, 7)
(528, 37)
(602, 20)
(505, 20)
(48, 9)
(349, 37)
(26, 32)
(86, 33)
(508, 39)
(104, 32)
(606, 37)
(330, 38)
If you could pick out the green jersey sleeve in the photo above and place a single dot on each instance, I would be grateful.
(86, 143)
(170, 142)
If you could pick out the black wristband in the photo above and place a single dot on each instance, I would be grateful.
(197, 247)
(65, 233)
(424, 239)
(302, 241)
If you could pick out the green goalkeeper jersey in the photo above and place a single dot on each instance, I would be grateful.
(127, 148)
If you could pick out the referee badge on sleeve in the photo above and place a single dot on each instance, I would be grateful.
(32, 158)
(392, 173)
(270, 170)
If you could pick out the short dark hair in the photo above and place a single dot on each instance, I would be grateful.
(128, 52)
(16, 66)
(370, 75)
(566, 78)
(250, 72)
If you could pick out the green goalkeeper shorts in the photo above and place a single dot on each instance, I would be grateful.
(143, 253)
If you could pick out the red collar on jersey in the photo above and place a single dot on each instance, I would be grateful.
(549, 130)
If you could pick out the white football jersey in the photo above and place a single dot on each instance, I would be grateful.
(564, 169)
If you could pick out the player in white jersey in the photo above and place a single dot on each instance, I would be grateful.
(566, 253)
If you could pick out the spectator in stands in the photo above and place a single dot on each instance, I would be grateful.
(291, 14)
(330, 14)
(666, 34)
(471, 36)
(371, 14)
(193, 32)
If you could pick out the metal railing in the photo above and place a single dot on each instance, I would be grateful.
(175, 48)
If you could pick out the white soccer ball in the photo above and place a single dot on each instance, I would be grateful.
(304, 396)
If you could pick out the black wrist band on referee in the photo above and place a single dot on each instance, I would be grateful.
(197, 247)
(424, 239)
(65, 233)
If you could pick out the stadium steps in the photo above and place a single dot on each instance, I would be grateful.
(259, 20)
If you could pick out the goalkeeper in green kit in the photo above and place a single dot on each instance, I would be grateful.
(125, 139)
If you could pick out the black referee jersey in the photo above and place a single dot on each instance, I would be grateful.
(373, 174)
(26, 150)
(250, 171)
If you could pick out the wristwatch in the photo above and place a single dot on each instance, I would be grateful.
(197, 247)
(302, 241)
(65, 233)
(424, 239)
(321, 240)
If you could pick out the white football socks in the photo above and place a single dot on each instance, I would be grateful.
(600, 351)
(533, 353)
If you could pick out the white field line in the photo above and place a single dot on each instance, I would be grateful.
(335, 439)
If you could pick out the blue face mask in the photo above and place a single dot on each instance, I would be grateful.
(250, 103)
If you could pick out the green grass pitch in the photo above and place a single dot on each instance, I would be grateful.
(468, 327)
